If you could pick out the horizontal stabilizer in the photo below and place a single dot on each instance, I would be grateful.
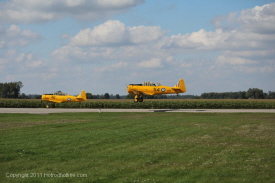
(180, 87)
(82, 96)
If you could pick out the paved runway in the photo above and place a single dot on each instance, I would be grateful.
(63, 110)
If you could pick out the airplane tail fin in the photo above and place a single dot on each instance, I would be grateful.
(82, 96)
(180, 87)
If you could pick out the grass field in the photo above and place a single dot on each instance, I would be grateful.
(137, 147)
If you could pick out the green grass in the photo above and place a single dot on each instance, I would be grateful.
(138, 147)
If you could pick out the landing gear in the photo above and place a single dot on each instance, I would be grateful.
(138, 98)
(50, 105)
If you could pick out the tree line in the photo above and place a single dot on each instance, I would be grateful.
(12, 90)
(105, 96)
(251, 93)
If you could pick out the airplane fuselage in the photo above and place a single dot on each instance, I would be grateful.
(60, 99)
(149, 88)
(136, 89)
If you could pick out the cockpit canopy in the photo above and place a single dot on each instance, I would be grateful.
(59, 93)
(150, 84)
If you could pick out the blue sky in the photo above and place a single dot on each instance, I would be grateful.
(101, 46)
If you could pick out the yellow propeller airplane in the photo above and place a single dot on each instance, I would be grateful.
(149, 88)
(59, 97)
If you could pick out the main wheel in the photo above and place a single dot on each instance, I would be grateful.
(136, 99)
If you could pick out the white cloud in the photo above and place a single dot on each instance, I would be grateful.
(259, 19)
(14, 37)
(152, 63)
(234, 60)
(33, 11)
(244, 39)
(143, 34)
(185, 65)
(201, 40)
(114, 41)
(145, 45)
(115, 33)
(255, 69)
(112, 50)
(112, 32)
(111, 68)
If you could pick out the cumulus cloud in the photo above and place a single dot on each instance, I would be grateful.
(143, 34)
(112, 32)
(259, 19)
(113, 40)
(26, 11)
(13, 59)
(115, 33)
(243, 38)
(234, 60)
(152, 63)
(115, 66)
(201, 40)
(252, 40)
(242, 44)
(14, 37)
(112, 48)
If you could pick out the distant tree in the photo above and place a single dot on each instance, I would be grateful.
(254, 93)
(106, 96)
(117, 96)
(271, 95)
(10, 90)
(38, 96)
(150, 96)
(130, 96)
(23, 96)
(89, 96)
(241, 95)
(96, 96)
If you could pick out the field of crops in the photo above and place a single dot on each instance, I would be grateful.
(147, 104)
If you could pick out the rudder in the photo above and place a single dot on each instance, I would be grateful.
(82, 96)
(182, 85)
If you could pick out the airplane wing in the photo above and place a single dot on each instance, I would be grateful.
(147, 93)
(136, 92)
(55, 101)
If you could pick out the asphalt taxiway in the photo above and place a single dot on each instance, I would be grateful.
(66, 110)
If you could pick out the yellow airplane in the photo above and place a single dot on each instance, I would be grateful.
(59, 97)
(149, 88)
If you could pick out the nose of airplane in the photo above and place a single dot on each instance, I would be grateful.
(128, 89)
(44, 97)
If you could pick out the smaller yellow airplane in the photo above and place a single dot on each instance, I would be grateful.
(149, 88)
(59, 97)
